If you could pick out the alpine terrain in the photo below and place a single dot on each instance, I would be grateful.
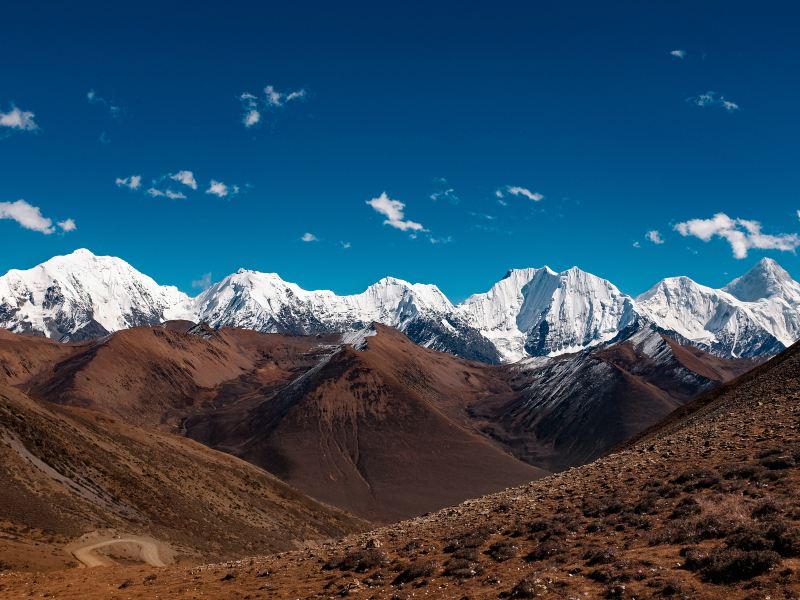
(530, 312)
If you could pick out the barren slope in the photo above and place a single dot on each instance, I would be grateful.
(65, 472)
(381, 432)
(704, 507)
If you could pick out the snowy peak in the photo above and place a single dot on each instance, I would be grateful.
(529, 312)
(541, 312)
(767, 279)
(84, 295)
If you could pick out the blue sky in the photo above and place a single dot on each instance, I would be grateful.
(586, 106)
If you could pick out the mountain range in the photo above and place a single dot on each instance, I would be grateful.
(529, 312)
(701, 505)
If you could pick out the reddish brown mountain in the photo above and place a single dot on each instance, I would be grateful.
(388, 431)
(381, 432)
(66, 472)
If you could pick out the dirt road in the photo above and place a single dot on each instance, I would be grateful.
(148, 552)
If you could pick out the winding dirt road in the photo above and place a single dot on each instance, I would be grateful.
(148, 552)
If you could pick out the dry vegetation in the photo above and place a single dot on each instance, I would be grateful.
(706, 506)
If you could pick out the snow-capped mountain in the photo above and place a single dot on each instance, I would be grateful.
(534, 312)
(81, 295)
(530, 312)
(756, 314)
(265, 302)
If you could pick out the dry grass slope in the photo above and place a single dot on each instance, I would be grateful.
(704, 507)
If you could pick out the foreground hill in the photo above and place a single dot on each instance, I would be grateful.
(68, 472)
(705, 506)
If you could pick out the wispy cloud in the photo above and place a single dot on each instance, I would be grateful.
(31, 217)
(654, 236)
(345, 245)
(394, 211)
(186, 178)
(713, 99)
(742, 234)
(203, 283)
(516, 190)
(309, 237)
(678, 54)
(21, 120)
(637, 244)
(134, 182)
(114, 109)
(445, 192)
(253, 106)
(157, 193)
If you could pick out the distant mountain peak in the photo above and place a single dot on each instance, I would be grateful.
(766, 279)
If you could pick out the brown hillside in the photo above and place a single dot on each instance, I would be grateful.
(705, 507)
(66, 472)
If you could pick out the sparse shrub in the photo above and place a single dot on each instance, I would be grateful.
(502, 551)
(647, 504)
(462, 568)
(599, 556)
(416, 570)
(785, 539)
(765, 509)
(697, 479)
(776, 463)
(729, 565)
(529, 587)
(471, 539)
(359, 561)
(685, 508)
(770, 452)
(615, 591)
(545, 550)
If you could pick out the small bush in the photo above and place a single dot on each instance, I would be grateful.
(502, 551)
(529, 587)
(776, 463)
(729, 565)
(685, 508)
(416, 570)
(545, 550)
(462, 568)
(765, 509)
(598, 556)
(359, 561)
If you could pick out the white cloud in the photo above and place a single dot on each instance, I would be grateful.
(742, 234)
(156, 193)
(516, 190)
(251, 117)
(203, 283)
(254, 106)
(93, 98)
(30, 217)
(678, 54)
(218, 189)
(713, 99)
(186, 178)
(309, 237)
(394, 211)
(798, 214)
(67, 225)
(637, 245)
(22, 120)
(654, 236)
(134, 182)
(345, 245)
